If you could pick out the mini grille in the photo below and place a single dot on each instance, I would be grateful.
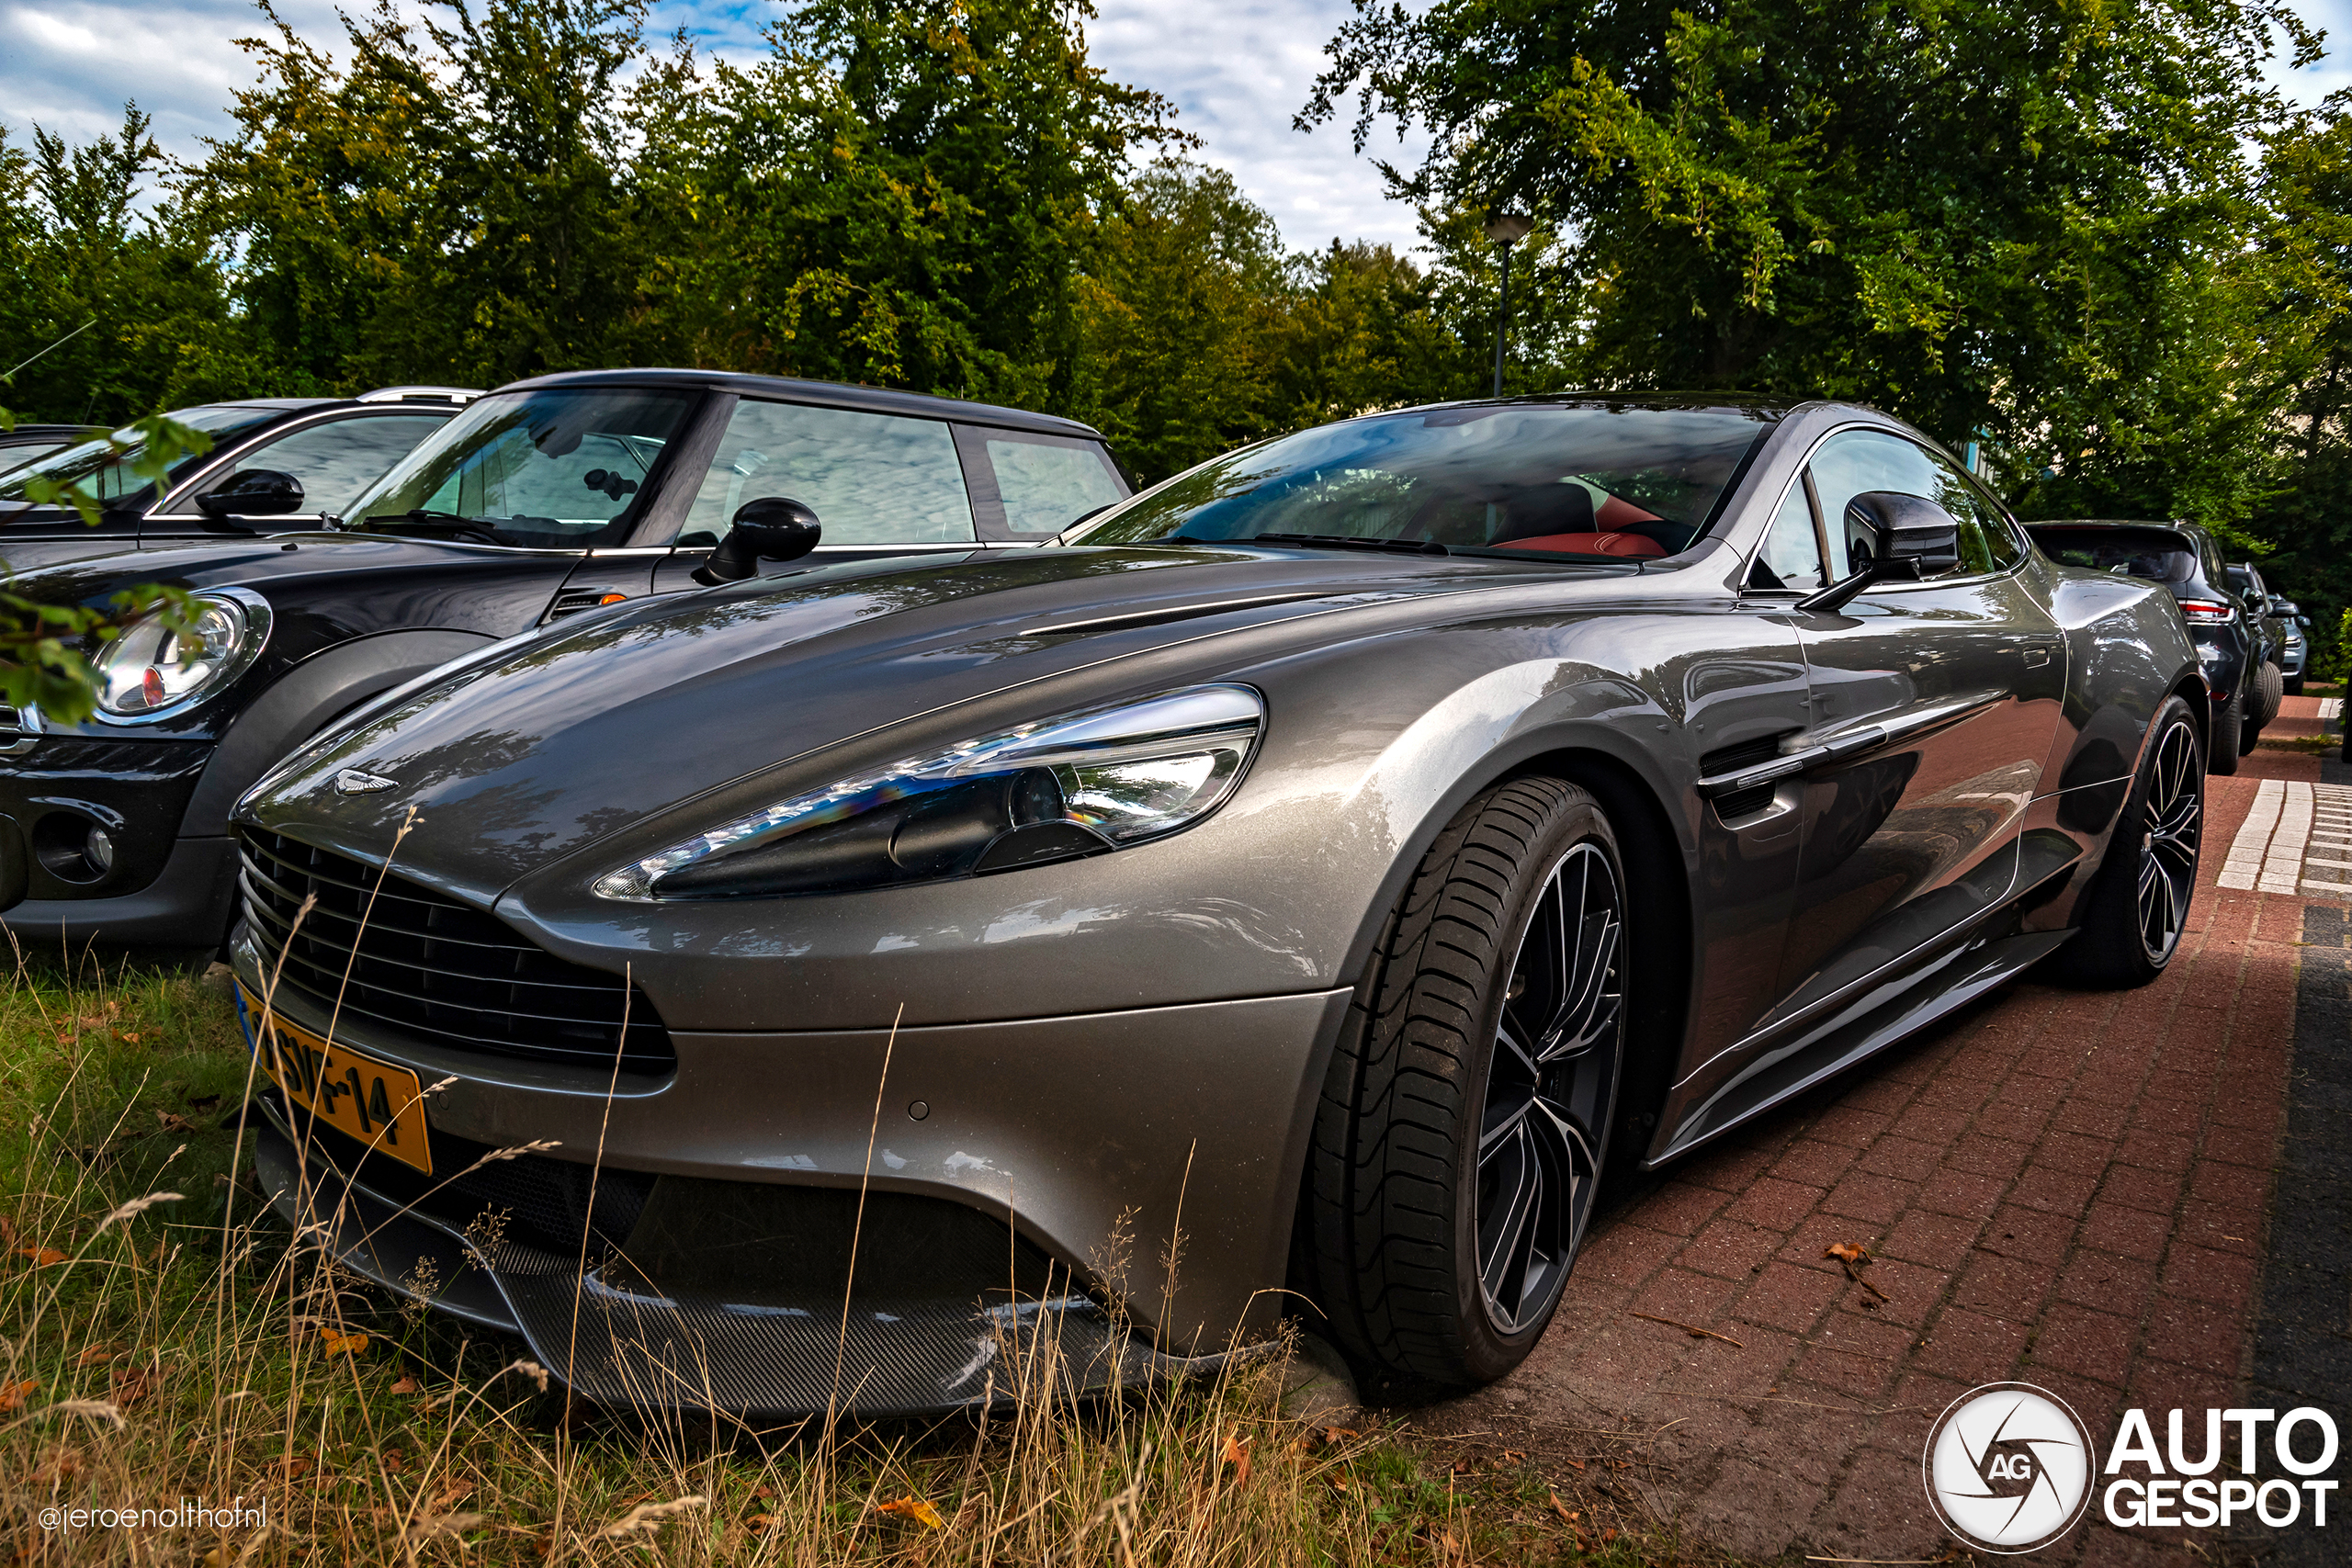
(431, 968)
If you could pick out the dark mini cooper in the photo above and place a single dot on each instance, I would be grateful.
(1290, 897)
(276, 464)
(535, 502)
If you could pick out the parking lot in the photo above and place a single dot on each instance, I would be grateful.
(2132, 1199)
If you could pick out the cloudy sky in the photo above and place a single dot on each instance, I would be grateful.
(1238, 68)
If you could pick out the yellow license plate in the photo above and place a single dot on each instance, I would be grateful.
(380, 1104)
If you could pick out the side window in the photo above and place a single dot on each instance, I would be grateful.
(1858, 461)
(1046, 484)
(1792, 552)
(337, 460)
(1987, 543)
(1854, 461)
(871, 479)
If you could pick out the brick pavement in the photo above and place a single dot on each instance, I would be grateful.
(2067, 1188)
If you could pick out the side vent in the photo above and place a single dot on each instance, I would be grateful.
(1730, 760)
(18, 732)
(573, 601)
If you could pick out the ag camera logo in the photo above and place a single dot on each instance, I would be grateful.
(2008, 1467)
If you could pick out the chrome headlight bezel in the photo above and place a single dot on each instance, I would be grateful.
(246, 611)
(1212, 730)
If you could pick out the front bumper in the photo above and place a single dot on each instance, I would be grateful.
(159, 886)
(1105, 1144)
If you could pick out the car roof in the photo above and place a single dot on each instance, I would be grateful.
(829, 394)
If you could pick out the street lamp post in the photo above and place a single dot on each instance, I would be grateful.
(1505, 229)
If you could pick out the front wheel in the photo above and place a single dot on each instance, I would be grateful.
(1464, 1124)
(2137, 907)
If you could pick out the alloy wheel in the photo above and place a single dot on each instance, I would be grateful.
(2175, 820)
(1549, 1086)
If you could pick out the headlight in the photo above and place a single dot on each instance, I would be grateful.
(1062, 787)
(151, 672)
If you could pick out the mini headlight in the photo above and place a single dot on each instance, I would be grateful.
(1062, 787)
(151, 672)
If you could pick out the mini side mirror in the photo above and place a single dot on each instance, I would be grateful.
(256, 492)
(771, 528)
(1896, 526)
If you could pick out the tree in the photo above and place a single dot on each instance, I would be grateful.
(111, 311)
(900, 193)
(2020, 222)
(2309, 246)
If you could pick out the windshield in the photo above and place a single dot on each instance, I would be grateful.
(2158, 555)
(1582, 479)
(107, 475)
(561, 468)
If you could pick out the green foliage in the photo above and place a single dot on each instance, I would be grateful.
(2020, 222)
(45, 648)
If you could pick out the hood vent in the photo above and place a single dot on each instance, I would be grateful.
(1161, 617)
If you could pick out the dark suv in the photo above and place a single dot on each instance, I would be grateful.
(276, 464)
(544, 499)
(2185, 559)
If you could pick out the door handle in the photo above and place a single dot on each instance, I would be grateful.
(2035, 658)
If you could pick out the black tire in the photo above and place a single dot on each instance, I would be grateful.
(2132, 920)
(2229, 729)
(2268, 692)
(1433, 1272)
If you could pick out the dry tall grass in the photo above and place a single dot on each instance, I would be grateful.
(164, 1345)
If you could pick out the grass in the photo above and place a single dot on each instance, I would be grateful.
(163, 1342)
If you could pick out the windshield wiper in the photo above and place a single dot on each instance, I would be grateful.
(1349, 542)
(445, 525)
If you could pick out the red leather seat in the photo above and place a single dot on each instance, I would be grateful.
(1591, 544)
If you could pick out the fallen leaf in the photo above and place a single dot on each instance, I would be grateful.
(758, 1522)
(1562, 1509)
(292, 1466)
(343, 1344)
(42, 1257)
(61, 1464)
(1847, 1252)
(95, 1356)
(8, 1231)
(169, 1121)
(1236, 1454)
(1333, 1434)
(406, 1385)
(132, 1384)
(1575, 1463)
(763, 1491)
(457, 1492)
(13, 1394)
(913, 1508)
(1338, 1483)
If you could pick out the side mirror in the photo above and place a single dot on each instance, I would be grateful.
(256, 492)
(1896, 526)
(1891, 537)
(771, 528)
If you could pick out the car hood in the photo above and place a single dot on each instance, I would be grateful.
(559, 740)
(242, 562)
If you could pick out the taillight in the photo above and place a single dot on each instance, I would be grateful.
(2205, 609)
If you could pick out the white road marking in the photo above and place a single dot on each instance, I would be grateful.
(2245, 861)
(2293, 829)
(2330, 707)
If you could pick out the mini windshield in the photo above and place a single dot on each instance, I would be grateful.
(2158, 555)
(560, 468)
(108, 475)
(1589, 479)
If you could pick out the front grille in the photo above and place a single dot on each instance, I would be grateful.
(383, 950)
